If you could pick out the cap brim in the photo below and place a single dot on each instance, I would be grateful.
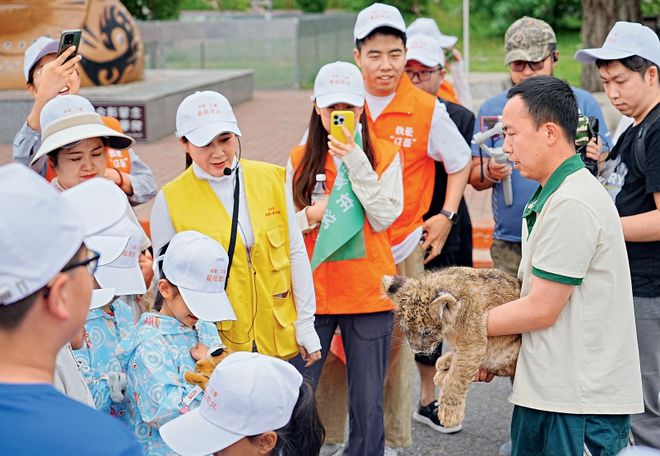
(101, 297)
(70, 135)
(591, 55)
(203, 135)
(125, 281)
(192, 435)
(447, 41)
(323, 101)
(374, 25)
(423, 59)
(109, 247)
(208, 306)
(50, 48)
(99, 202)
(535, 54)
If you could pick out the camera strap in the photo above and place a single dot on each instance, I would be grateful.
(234, 226)
(639, 147)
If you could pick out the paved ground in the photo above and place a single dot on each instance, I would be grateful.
(271, 123)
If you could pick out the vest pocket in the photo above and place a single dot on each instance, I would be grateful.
(284, 310)
(277, 251)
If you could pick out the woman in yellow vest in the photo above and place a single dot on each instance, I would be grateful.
(242, 204)
(350, 251)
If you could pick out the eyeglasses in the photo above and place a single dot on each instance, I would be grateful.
(423, 75)
(519, 65)
(92, 262)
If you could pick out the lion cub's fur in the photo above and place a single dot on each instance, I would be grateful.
(451, 304)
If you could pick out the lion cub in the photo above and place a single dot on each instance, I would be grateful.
(451, 304)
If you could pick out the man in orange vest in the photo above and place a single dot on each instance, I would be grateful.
(418, 123)
(48, 76)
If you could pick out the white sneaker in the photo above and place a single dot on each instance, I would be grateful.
(332, 449)
(505, 449)
(390, 451)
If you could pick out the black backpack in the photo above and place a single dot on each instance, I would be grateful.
(639, 148)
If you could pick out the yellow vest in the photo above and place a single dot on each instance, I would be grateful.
(259, 287)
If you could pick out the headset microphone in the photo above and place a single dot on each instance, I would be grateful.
(228, 171)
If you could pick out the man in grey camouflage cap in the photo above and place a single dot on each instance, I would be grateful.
(530, 50)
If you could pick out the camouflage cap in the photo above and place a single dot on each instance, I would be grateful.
(528, 39)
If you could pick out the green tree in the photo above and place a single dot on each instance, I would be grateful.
(152, 10)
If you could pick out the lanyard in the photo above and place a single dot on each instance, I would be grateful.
(234, 226)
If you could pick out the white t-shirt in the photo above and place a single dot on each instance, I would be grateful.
(445, 144)
(587, 362)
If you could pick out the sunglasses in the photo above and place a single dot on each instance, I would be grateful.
(519, 65)
(91, 262)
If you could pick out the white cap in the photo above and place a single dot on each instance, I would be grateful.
(119, 266)
(197, 265)
(425, 50)
(338, 82)
(101, 297)
(41, 229)
(624, 40)
(67, 119)
(43, 46)
(375, 16)
(427, 26)
(247, 394)
(204, 115)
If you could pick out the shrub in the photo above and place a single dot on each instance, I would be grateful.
(312, 6)
(153, 10)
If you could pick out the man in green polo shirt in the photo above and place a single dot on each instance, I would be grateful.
(577, 378)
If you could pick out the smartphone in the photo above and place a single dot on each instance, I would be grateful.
(488, 122)
(69, 38)
(340, 119)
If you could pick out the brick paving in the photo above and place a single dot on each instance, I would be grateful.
(271, 123)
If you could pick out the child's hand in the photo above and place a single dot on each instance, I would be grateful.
(199, 351)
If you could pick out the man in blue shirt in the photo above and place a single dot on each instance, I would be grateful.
(531, 50)
(45, 292)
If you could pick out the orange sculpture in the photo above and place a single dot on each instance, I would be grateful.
(111, 45)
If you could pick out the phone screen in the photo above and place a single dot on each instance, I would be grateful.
(69, 38)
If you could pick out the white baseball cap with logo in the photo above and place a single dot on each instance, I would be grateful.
(338, 82)
(41, 47)
(425, 50)
(427, 26)
(197, 265)
(119, 267)
(204, 115)
(375, 16)
(68, 119)
(41, 230)
(625, 40)
(248, 394)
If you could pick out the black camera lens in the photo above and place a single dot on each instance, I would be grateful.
(335, 117)
(68, 39)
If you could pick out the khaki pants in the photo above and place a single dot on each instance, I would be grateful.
(331, 390)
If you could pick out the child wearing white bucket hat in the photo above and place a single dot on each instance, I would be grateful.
(49, 76)
(253, 405)
(365, 172)
(168, 342)
(111, 319)
(45, 290)
(243, 205)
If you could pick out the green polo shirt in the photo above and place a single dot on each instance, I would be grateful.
(535, 206)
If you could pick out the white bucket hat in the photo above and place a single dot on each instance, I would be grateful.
(625, 40)
(204, 115)
(41, 229)
(338, 82)
(68, 119)
(41, 47)
(247, 394)
(119, 267)
(427, 26)
(425, 50)
(375, 16)
(197, 265)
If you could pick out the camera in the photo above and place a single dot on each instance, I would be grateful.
(338, 119)
(586, 130)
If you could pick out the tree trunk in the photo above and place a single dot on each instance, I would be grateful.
(598, 17)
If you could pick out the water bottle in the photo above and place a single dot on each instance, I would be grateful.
(319, 192)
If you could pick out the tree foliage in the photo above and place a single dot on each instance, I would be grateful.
(153, 10)
(312, 6)
(560, 14)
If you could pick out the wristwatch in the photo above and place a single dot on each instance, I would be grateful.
(452, 216)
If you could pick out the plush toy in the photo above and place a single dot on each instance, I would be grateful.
(204, 368)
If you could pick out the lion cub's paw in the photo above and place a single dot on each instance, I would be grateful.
(451, 415)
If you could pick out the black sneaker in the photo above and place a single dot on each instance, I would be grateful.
(428, 415)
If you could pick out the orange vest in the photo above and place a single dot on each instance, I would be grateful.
(406, 122)
(117, 159)
(353, 286)
(447, 92)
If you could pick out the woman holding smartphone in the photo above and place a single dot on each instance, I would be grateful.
(363, 173)
(243, 205)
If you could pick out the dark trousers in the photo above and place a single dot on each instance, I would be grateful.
(366, 339)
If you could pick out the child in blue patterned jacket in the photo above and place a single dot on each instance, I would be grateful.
(167, 343)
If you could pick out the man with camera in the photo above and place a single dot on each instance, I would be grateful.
(629, 64)
(531, 50)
